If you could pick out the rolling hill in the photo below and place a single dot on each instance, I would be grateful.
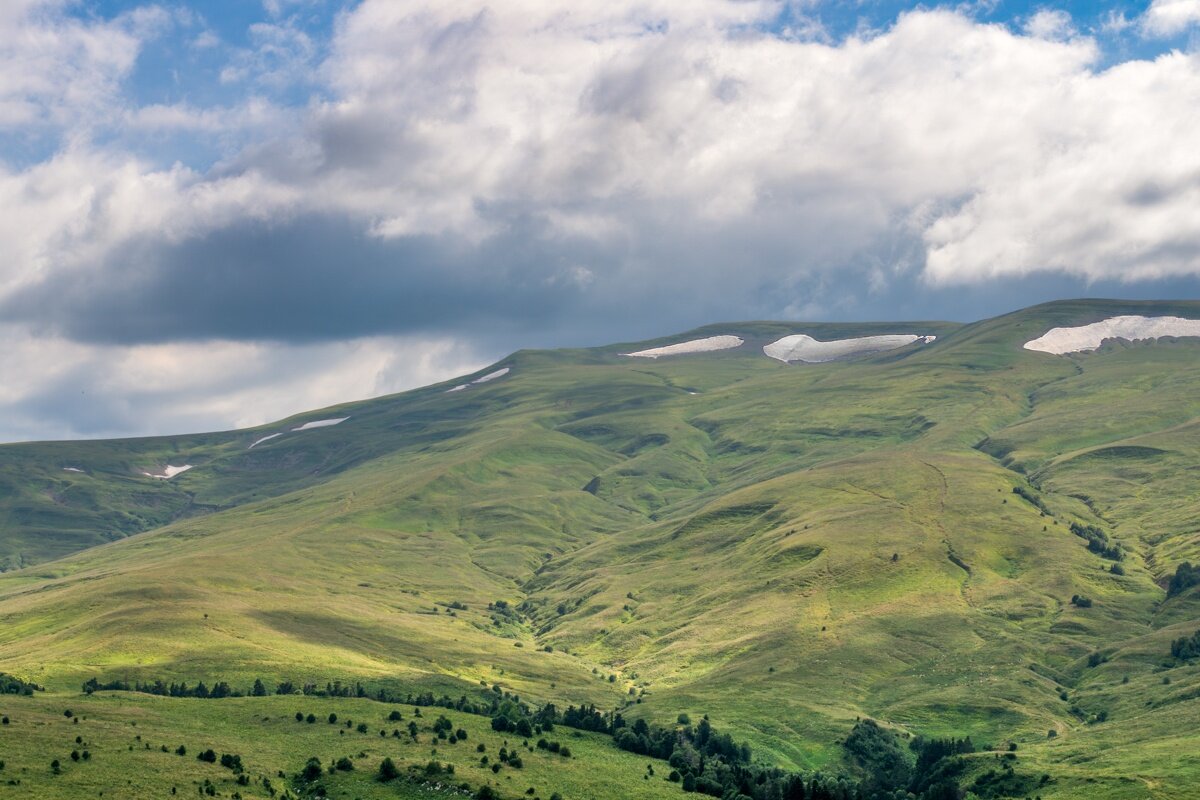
(955, 536)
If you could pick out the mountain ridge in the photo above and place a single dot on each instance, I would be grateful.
(909, 536)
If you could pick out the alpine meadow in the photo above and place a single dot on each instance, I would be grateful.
(781, 561)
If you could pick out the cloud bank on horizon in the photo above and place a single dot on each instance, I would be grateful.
(216, 214)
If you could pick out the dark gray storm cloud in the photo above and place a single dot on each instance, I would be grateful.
(318, 278)
(307, 279)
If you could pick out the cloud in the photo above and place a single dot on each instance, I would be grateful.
(57, 70)
(538, 172)
(86, 390)
(1165, 18)
(456, 135)
(1047, 23)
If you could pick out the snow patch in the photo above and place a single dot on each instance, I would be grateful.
(263, 439)
(1060, 341)
(491, 376)
(72, 469)
(801, 347)
(706, 345)
(168, 472)
(320, 423)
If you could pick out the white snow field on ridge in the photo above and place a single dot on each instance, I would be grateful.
(491, 376)
(801, 347)
(320, 423)
(267, 438)
(1060, 341)
(168, 472)
(308, 426)
(706, 345)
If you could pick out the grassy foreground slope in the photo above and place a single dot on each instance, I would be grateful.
(133, 746)
(785, 548)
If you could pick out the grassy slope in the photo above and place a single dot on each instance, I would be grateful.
(116, 729)
(733, 553)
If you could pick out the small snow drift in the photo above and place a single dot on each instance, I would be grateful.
(491, 376)
(1060, 341)
(801, 347)
(168, 472)
(707, 345)
(263, 439)
(320, 423)
(308, 426)
(72, 469)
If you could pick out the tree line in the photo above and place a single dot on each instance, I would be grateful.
(702, 759)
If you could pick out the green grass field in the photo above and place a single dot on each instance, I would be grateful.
(786, 548)
(125, 735)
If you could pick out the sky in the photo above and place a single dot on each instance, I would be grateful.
(216, 214)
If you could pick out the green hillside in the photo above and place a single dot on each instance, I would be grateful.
(959, 538)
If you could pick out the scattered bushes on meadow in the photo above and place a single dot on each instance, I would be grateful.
(388, 770)
(1032, 499)
(1186, 647)
(701, 759)
(1186, 576)
(1097, 541)
(10, 684)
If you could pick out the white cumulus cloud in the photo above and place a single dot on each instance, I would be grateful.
(613, 159)
(1170, 17)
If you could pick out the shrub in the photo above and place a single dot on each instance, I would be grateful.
(1186, 576)
(388, 770)
(1186, 647)
(312, 770)
(344, 764)
(1097, 541)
